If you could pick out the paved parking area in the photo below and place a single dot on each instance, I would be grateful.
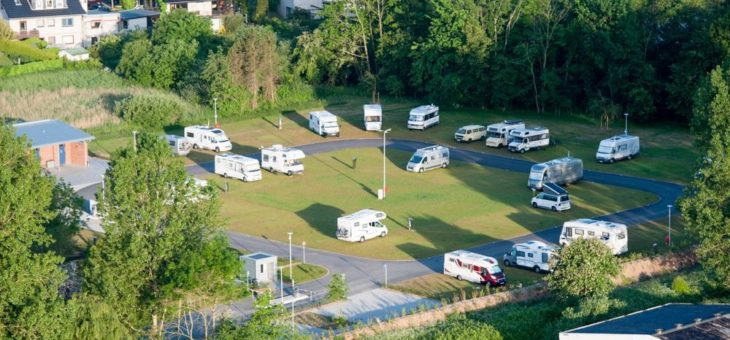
(377, 303)
(82, 177)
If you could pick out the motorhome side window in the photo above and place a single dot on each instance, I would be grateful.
(520, 253)
(605, 235)
(544, 257)
(190, 134)
(529, 255)
(621, 236)
(266, 158)
(357, 224)
(262, 268)
(451, 259)
(591, 233)
(579, 232)
(569, 232)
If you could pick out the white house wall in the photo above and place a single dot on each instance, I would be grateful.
(109, 23)
(288, 6)
(137, 24)
(56, 35)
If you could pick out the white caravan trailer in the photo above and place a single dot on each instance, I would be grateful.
(239, 167)
(473, 267)
(617, 148)
(204, 137)
(180, 145)
(553, 197)
(470, 133)
(362, 225)
(562, 171)
(428, 158)
(613, 235)
(373, 117)
(498, 134)
(324, 123)
(531, 254)
(423, 117)
(526, 139)
(280, 159)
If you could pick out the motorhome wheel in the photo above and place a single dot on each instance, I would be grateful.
(629, 157)
(382, 234)
(554, 209)
(289, 173)
(362, 239)
(536, 269)
(458, 277)
(217, 149)
(443, 166)
(271, 170)
(420, 170)
(225, 175)
(610, 160)
(507, 263)
(534, 205)
(522, 151)
(195, 146)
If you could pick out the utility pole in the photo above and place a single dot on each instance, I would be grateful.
(669, 225)
(215, 111)
(385, 266)
(304, 252)
(626, 123)
(291, 276)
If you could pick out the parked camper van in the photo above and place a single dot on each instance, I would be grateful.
(562, 171)
(531, 254)
(180, 145)
(362, 225)
(498, 134)
(324, 123)
(284, 160)
(553, 197)
(527, 139)
(473, 267)
(614, 235)
(423, 117)
(428, 158)
(617, 148)
(239, 167)
(470, 133)
(204, 137)
(373, 117)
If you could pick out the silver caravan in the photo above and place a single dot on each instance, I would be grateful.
(498, 134)
(180, 145)
(428, 158)
(617, 148)
(561, 171)
(531, 254)
(362, 225)
(527, 139)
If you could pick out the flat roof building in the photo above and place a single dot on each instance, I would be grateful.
(55, 143)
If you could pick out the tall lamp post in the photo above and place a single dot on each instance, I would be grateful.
(626, 123)
(669, 226)
(215, 111)
(291, 277)
(385, 186)
(304, 252)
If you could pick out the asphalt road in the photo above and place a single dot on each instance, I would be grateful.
(363, 274)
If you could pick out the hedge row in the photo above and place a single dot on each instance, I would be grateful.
(34, 67)
(17, 49)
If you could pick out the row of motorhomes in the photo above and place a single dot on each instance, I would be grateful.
(535, 255)
(275, 159)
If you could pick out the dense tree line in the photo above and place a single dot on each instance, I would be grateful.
(604, 57)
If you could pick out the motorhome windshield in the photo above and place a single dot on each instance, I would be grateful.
(330, 124)
(222, 139)
(416, 159)
(493, 134)
(415, 118)
(494, 269)
(605, 149)
(536, 174)
(372, 119)
(462, 131)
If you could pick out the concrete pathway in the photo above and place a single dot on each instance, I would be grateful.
(374, 304)
(82, 177)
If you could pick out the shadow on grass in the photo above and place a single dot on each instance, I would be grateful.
(321, 217)
(349, 165)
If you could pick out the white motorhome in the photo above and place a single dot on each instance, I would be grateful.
(362, 225)
(205, 137)
(180, 145)
(373, 116)
(531, 254)
(614, 235)
(553, 197)
(473, 267)
(324, 123)
(498, 134)
(428, 158)
(423, 117)
(470, 133)
(527, 139)
(284, 160)
(562, 171)
(617, 148)
(239, 167)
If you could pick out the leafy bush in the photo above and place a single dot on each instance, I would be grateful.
(682, 287)
(584, 268)
(26, 52)
(6, 32)
(149, 110)
(337, 288)
(34, 67)
(459, 327)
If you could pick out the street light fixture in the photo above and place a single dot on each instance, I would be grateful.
(626, 123)
(291, 277)
(669, 226)
(385, 186)
(215, 111)
(304, 252)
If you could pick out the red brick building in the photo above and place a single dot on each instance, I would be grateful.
(56, 143)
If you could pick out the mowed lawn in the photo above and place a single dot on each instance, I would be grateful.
(462, 206)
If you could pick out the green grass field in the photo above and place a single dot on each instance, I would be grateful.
(462, 206)
(303, 273)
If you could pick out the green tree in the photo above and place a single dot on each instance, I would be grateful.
(458, 326)
(89, 317)
(5, 31)
(181, 25)
(159, 66)
(66, 207)
(30, 276)
(584, 268)
(129, 4)
(265, 323)
(706, 202)
(337, 288)
(155, 219)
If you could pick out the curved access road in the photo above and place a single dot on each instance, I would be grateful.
(364, 274)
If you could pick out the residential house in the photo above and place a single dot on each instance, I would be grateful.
(55, 143)
(672, 321)
(136, 19)
(199, 7)
(98, 23)
(288, 7)
(58, 22)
